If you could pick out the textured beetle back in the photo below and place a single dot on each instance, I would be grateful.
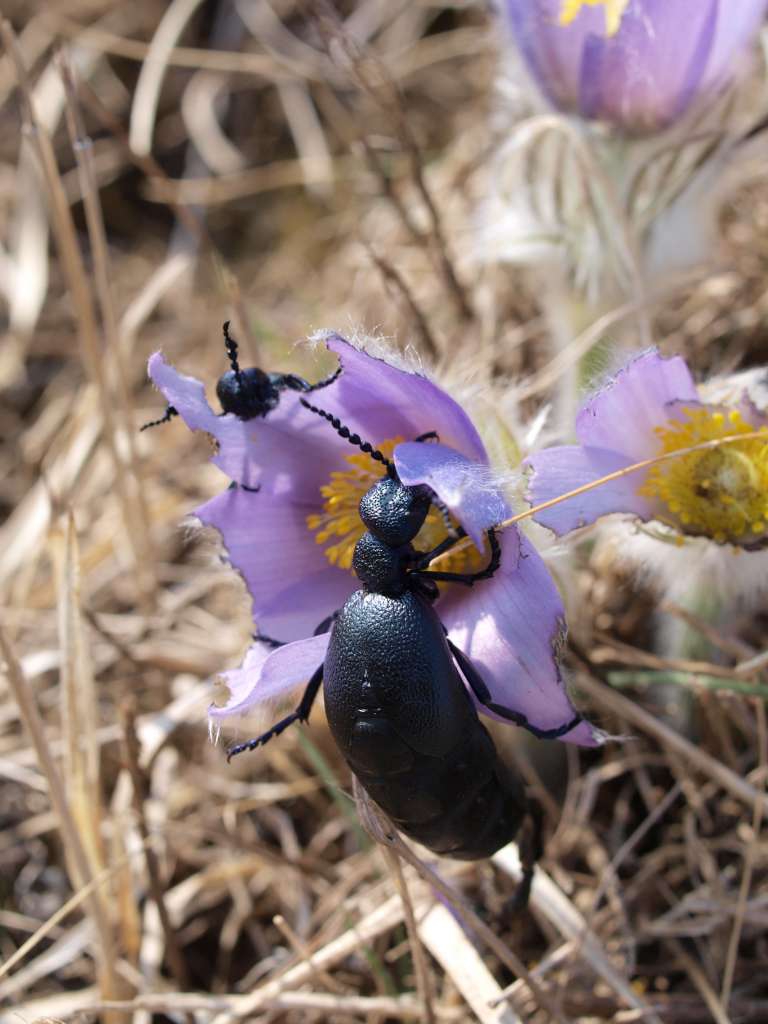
(401, 716)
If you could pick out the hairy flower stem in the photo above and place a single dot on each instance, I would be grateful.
(570, 313)
(560, 310)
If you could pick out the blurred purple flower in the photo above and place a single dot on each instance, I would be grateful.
(650, 407)
(292, 540)
(638, 64)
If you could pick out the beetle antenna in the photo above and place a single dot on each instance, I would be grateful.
(445, 515)
(231, 346)
(442, 508)
(327, 380)
(167, 416)
(347, 434)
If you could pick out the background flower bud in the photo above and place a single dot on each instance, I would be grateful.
(638, 64)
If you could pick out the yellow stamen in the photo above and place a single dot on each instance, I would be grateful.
(340, 519)
(720, 493)
(614, 12)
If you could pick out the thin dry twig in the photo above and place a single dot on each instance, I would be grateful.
(378, 826)
(82, 148)
(399, 285)
(605, 696)
(132, 751)
(750, 857)
(699, 979)
(547, 898)
(79, 287)
(421, 968)
(375, 80)
(303, 952)
(104, 948)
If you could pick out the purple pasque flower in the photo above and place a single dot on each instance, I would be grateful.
(638, 64)
(649, 408)
(292, 540)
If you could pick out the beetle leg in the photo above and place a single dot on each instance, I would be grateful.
(467, 578)
(326, 624)
(301, 714)
(424, 558)
(322, 628)
(234, 486)
(483, 694)
(289, 380)
(431, 435)
(268, 640)
(167, 416)
(531, 846)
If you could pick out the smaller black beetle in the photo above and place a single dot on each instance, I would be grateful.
(395, 699)
(252, 392)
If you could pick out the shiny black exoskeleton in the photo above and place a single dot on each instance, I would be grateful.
(396, 702)
(252, 392)
(395, 693)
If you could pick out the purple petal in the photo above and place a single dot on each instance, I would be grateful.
(185, 394)
(553, 53)
(736, 29)
(752, 415)
(466, 487)
(512, 628)
(235, 685)
(291, 583)
(559, 470)
(647, 74)
(278, 450)
(267, 674)
(380, 402)
(622, 416)
(757, 418)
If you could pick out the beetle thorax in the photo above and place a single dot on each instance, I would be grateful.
(381, 569)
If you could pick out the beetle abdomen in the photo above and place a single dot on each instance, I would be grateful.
(464, 805)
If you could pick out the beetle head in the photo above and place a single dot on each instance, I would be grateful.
(393, 512)
(247, 393)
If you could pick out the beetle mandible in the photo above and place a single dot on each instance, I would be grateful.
(252, 392)
(394, 688)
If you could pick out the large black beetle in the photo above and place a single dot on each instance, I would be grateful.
(395, 693)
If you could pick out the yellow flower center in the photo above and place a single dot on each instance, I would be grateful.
(614, 12)
(720, 493)
(339, 526)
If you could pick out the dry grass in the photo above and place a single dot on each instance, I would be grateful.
(141, 877)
